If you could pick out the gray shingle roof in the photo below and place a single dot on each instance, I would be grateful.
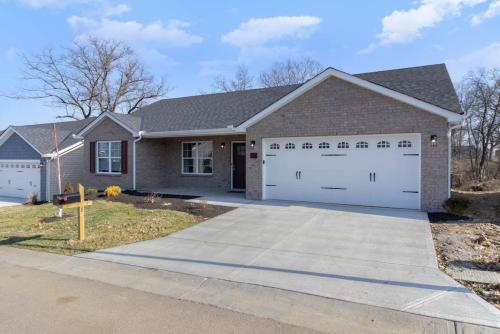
(211, 111)
(41, 136)
(430, 83)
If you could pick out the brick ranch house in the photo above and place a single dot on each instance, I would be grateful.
(376, 139)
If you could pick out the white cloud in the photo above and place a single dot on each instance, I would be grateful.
(403, 26)
(488, 57)
(265, 38)
(492, 11)
(172, 34)
(110, 10)
(257, 32)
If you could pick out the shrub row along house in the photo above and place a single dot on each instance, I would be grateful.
(377, 139)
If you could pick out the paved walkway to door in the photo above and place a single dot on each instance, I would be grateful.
(381, 257)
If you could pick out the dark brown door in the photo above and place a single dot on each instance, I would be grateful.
(239, 166)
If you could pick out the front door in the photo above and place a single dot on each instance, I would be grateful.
(239, 166)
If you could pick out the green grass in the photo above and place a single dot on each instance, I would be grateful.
(108, 224)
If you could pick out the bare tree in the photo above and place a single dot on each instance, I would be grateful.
(290, 72)
(91, 77)
(242, 81)
(480, 98)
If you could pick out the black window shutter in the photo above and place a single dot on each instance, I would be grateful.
(124, 157)
(92, 157)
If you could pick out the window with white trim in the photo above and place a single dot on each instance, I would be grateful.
(109, 157)
(383, 144)
(404, 143)
(275, 146)
(324, 145)
(290, 146)
(197, 158)
(343, 145)
(361, 144)
(307, 146)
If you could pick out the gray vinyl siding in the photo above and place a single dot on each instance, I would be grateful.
(43, 181)
(16, 148)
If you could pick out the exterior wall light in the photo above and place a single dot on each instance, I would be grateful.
(252, 144)
(222, 145)
(434, 139)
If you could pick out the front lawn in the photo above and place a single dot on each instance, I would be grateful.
(108, 224)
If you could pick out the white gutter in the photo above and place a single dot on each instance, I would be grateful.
(453, 127)
(134, 159)
(230, 130)
(64, 151)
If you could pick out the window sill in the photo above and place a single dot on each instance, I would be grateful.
(109, 174)
(196, 175)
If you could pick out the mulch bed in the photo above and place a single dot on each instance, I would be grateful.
(167, 202)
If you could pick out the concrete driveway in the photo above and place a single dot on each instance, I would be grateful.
(11, 201)
(380, 257)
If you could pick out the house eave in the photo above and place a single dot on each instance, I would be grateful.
(191, 133)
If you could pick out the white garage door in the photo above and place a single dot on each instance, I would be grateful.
(373, 170)
(19, 178)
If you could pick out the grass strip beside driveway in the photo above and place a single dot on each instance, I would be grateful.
(108, 224)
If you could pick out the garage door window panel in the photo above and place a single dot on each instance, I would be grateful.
(290, 146)
(343, 145)
(383, 144)
(404, 144)
(324, 145)
(307, 146)
(361, 144)
(274, 146)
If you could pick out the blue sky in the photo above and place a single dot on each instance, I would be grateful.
(191, 42)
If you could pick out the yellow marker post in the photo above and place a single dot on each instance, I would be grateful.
(81, 211)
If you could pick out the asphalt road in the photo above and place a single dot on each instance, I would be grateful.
(36, 301)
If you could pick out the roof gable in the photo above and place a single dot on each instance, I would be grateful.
(13, 146)
(331, 72)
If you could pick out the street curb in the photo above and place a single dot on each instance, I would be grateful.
(319, 313)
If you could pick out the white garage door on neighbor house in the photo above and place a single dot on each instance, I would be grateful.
(19, 178)
(373, 170)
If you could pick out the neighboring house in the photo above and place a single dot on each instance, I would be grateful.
(377, 139)
(28, 159)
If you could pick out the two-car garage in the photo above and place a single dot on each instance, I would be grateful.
(373, 170)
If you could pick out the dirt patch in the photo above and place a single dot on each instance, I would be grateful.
(54, 219)
(174, 203)
(472, 242)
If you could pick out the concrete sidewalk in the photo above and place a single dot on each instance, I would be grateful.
(373, 256)
(307, 311)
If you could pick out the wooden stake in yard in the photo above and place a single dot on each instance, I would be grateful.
(81, 213)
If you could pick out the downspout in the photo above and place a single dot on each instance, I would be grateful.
(451, 128)
(134, 159)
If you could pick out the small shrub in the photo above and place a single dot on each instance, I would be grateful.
(456, 205)
(151, 198)
(91, 191)
(112, 191)
(68, 188)
(32, 198)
